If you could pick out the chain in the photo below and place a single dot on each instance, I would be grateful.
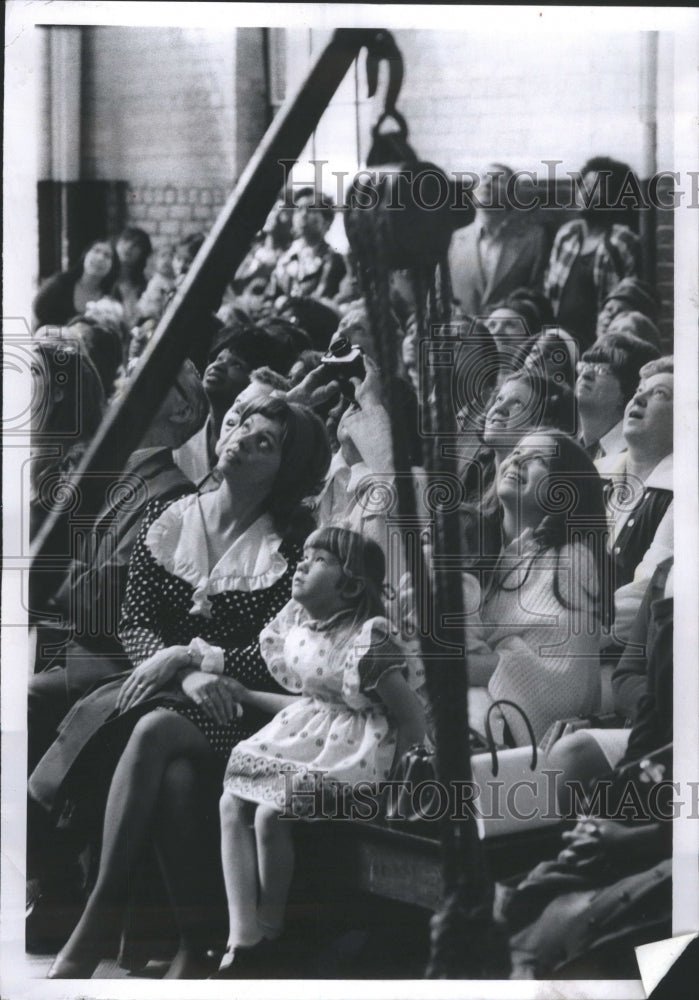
(462, 931)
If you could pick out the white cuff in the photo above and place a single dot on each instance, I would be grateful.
(211, 657)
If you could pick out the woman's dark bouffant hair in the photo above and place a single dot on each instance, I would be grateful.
(575, 512)
(305, 460)
(103, 345)
(362, 559)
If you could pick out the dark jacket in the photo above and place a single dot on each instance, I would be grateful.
(635, 537)
(54, 301)
(630, 678)
(89, 600)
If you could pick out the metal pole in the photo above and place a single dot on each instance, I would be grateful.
(649, 120)
(225, 247)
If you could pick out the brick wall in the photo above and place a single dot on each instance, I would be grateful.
(163, 106)
(169, 213)
(177, 113)
(473, 97)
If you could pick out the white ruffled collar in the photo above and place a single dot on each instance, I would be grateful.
(177, 540)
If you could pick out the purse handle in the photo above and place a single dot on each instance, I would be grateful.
(491, 741)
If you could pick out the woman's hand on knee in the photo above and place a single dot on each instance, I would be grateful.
(152, 675)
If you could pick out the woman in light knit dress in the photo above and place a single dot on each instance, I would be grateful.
(533, 630)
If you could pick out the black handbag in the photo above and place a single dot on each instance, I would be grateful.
(415, 795)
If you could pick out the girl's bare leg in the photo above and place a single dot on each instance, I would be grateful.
(275, 854)
(239, 858)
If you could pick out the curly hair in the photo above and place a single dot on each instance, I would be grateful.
(321, 201)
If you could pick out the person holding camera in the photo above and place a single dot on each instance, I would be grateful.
(346, 388)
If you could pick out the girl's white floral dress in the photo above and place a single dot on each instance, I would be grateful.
(338, 727)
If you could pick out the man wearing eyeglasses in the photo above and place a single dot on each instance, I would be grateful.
(607, 377)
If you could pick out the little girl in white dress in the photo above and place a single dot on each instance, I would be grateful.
(353, 714)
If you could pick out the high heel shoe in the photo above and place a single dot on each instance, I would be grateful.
(72, 968)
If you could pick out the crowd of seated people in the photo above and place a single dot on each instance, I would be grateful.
(241, 605)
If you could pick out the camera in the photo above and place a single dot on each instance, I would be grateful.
(344, 361)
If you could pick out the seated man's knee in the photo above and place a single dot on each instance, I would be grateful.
(579, 760)
(47, 693)
(47, 705)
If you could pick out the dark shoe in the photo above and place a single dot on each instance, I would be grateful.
(49, 920)
(260, 961)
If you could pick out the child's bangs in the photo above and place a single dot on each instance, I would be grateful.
(334, 540)
(359, 556)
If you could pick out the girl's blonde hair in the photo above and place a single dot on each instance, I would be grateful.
(360, 559)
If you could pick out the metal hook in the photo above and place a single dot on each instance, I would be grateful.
(383, 47)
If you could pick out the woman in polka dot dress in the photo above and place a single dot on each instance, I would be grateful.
(206, 574)
(356, 715)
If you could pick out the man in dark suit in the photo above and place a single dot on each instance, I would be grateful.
(500, 251)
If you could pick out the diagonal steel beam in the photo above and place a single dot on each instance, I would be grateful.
(224, 249)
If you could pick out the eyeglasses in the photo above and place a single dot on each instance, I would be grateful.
(593, 368)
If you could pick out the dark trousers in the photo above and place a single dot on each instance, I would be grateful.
(48, 702)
